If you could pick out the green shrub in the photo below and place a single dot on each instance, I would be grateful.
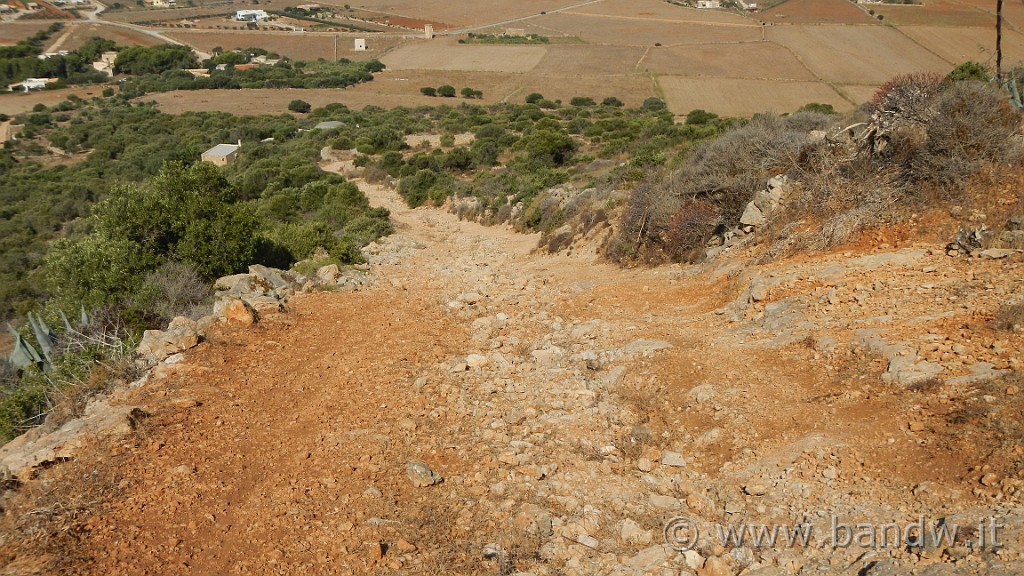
(300, 106)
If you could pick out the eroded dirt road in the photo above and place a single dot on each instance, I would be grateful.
(572, 409)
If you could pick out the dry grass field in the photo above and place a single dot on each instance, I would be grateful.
(12, 32)
(647, 32)
(463, 14)
(955, 13)
(78, 33)
(449, 55)
(741, 97)
(295, 45)
(391, 89)
(567, 60)
(817, 12)
(629, 9)
(956, 45)
(19, 102)
(754, 60)
(856, 54)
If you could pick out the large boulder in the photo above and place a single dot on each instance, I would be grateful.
(156, 345)
(235, 311)
(19, 457)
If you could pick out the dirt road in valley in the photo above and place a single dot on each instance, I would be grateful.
(571, 408)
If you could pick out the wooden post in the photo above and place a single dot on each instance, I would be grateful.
(999, 41)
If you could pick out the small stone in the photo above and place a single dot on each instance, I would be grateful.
(693, 559)
(669, 458)
(588, 541)
(715, 566)
(830, 473)
(991, 479)
(666, 502)
(421, 475)
(644, 465)
(405, 546)
(755, 489)
(377, 550)
(633, 533)
(916, 426)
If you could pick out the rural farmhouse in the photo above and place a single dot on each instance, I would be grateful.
(221, 154)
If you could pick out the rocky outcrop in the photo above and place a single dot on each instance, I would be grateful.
(21, 456)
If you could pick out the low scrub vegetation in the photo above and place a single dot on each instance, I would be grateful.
(918, 141)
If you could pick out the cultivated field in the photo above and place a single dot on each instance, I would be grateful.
(12, 32)
(75, 35)
(647, 32)
(394, 88)
(741, 97)
(464, 14)
(755, 60)
(956, 13)
(295, 45)
(447, 55)
(856, 54)
(631, 10)
(567, 60)
(956, 45)
(20, 102)
(817, 12)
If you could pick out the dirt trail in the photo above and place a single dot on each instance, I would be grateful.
(572, 408)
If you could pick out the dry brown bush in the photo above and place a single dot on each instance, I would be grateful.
(177, 290)
(973, 124)
(1010, 317)
(690, 229)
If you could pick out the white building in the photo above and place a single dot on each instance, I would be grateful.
(32, 84)
(360, 45)
(709, 4)
(251, 15)
(221, 154)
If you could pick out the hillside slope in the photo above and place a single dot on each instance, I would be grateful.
(573, 409)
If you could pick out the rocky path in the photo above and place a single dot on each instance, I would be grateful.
(571, 410)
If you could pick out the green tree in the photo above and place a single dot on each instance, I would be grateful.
(428, 91)
(653, 104)
(446, 91)
(612, 101)
(188, 214)
(581, 101)
(154, 59)
(700, 117)
(970, 70)
(534, 97)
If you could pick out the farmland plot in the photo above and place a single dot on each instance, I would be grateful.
(439, 55)
(817, 12)
(957, 45)
(736, 97)
(941, 13)
(856, 54)
(648, 32)
(755, 60)
(295, 45)
(589, 60)
(659, 10)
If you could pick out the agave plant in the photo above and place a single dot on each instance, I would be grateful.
(23, 355)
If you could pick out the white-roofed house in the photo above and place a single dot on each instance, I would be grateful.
(221, 154)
